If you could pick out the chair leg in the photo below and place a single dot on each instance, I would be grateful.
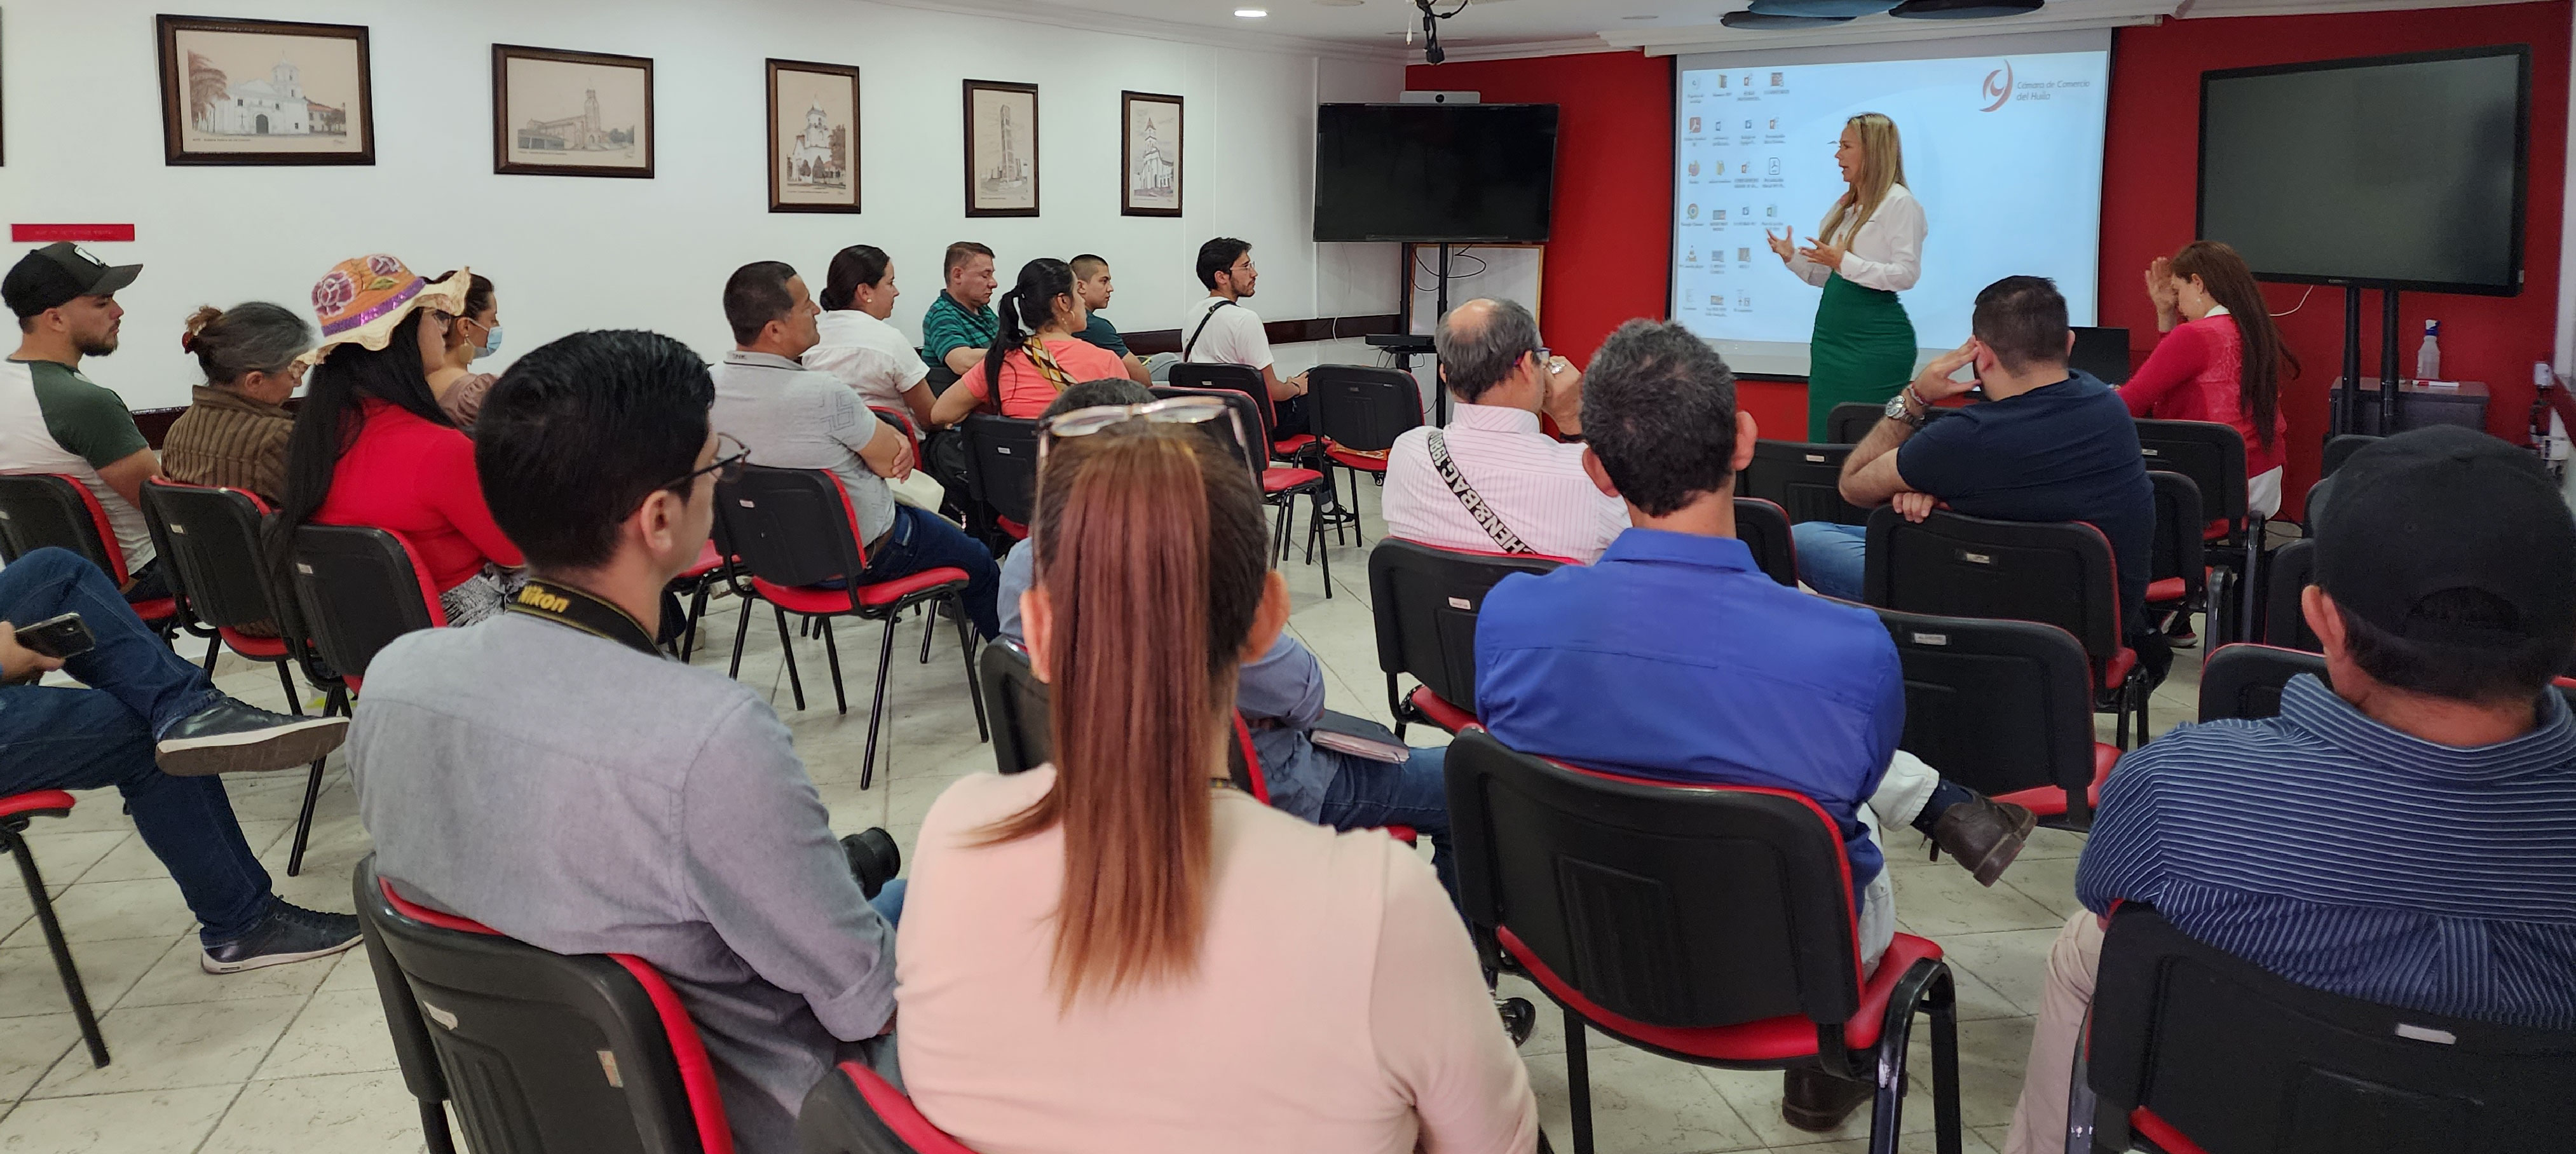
(304, 821)
(741, 627)
(287, 681)
(929, 615)
(876, 705)
(1395, 706)
(1941, 1001)
(44, 903)
(433, 1128)
(789, 648)
(697, 610)
(214, 646)
(1578, 1083)
(974, 681)
(832, 654)
(2254, 533)
(1327, 552)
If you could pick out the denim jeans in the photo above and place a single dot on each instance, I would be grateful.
(57, 737)
(1366, 794)
(924, 540)
(1831, 557)
(889, 901)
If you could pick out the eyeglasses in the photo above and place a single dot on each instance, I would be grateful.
(730, 456)
(1241, 269)
(1169, 411)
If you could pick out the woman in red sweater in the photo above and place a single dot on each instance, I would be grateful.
(373, 447)
(2220, 360)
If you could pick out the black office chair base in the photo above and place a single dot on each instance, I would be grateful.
(12, 837)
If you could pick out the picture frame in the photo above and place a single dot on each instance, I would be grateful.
(814, 146)
(314, 105)
(1149, 154)
(1001, 154)
(560, 113)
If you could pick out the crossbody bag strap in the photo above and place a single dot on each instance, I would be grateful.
(1493, 526)
(1210, 315)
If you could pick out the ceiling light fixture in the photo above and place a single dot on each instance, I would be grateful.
(1251, 13)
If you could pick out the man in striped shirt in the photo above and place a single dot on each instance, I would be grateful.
(2407, 836)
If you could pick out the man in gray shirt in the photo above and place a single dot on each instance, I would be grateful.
(552, 775)
(794, 418)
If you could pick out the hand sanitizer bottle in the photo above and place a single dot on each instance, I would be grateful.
(2428, 357)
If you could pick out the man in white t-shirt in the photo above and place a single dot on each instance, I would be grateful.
(1222, 331)
(858, 346)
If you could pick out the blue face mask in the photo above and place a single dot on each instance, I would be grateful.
(491, 343)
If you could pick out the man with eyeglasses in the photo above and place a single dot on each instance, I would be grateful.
(54, 420)
(552, 774)
(1221, 330)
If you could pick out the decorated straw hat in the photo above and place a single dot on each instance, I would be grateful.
(361, 300)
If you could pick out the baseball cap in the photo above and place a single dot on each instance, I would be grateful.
(52, 276)
(2446, 508)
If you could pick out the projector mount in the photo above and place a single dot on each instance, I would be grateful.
(1432, 53)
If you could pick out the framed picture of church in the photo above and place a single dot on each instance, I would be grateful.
(813, 137)
(1150, 155)
(1001, 148)
(560, 113)
(264, 92)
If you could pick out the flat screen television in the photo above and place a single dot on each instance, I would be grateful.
(2405, 172)
(1435, 173)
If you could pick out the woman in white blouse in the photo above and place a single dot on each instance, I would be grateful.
(1869, 249)
(858, 346)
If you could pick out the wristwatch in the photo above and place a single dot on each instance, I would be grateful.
(1896, 410)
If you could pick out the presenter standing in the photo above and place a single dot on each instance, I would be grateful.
(1869, 249)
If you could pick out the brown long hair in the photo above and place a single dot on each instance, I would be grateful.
(1151, 553)
(2231, 284)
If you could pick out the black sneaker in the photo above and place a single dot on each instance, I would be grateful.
(230, 737)
(874, 860)
(288, 934)
(1519, 1018)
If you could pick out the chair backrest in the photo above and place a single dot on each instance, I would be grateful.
(1002, 466)
(855, 1111)
(544, 1051)
(359, 587)
(1850, 421)
(210, 539)
(2057, 573)
(38, 510)
(1668, 904)
(2290, 570)
(1232, 378)
(2195, 1049)
(1245, 411)
(2244, 682)
(1425, 600)
(790, 527)
(2103, 352)
(2211, 454)
(2339, 449)
(2000, 706)
(902, 422)
(1802, 477)
(2175, 548)
(1361, 407)
(1018, 703)
(1764, 528)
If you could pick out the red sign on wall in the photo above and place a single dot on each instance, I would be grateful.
(48, 233)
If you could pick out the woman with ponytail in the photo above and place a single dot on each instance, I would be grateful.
(1037, 352)
(1118, 951)
(2221, 360)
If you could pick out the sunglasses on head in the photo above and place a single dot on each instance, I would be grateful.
(1168, 411)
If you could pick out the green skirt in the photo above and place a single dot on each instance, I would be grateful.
(1863, 350)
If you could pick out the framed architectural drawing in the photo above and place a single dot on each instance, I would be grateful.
(813, 137)
(1001, 149)
(571, 113)
(1150, 154)
(264, 92)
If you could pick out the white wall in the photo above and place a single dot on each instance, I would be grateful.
(569, 253)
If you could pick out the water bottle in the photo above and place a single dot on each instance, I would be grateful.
(2428, 358)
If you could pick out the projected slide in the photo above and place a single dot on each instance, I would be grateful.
(2004, 152)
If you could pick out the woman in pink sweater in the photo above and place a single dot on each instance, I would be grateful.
(1118, 952)
(2220, 360)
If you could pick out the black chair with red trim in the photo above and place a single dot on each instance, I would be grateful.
(2339, 449)
(1301, 447)
(2286, 576)
(854, 1110)
(2190, 1049)
(2177, 579)
(2004, 708)
(798, 542)
(17, 812)
(1425, 600)
(1019, 705)
(1359, 411)
(2213, 456)
(2055, 573)
(1281, 485)
(698, 582)
(537, 1051)
(1763, 526)
(51, 509)
(2244, 682)
(1803, 478)
(1709, 924)
(1002, 477)
(357, 588)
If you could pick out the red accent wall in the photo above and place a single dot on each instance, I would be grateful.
(1612, 249)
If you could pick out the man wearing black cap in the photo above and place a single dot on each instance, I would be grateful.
(53, 419)
(2406, 836)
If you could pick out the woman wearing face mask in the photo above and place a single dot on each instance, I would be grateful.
(858, 346)
(475, 335)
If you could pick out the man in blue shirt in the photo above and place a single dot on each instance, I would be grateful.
(2407, 835)
(2049, 444)
(1675, 657)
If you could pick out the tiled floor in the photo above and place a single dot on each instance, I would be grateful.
(296, 1057)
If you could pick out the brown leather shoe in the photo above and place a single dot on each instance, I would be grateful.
(1984, 834)
(1817, 1102)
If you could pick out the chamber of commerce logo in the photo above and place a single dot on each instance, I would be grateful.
(1999, 87)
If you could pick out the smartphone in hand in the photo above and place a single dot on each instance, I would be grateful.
(57, 637)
